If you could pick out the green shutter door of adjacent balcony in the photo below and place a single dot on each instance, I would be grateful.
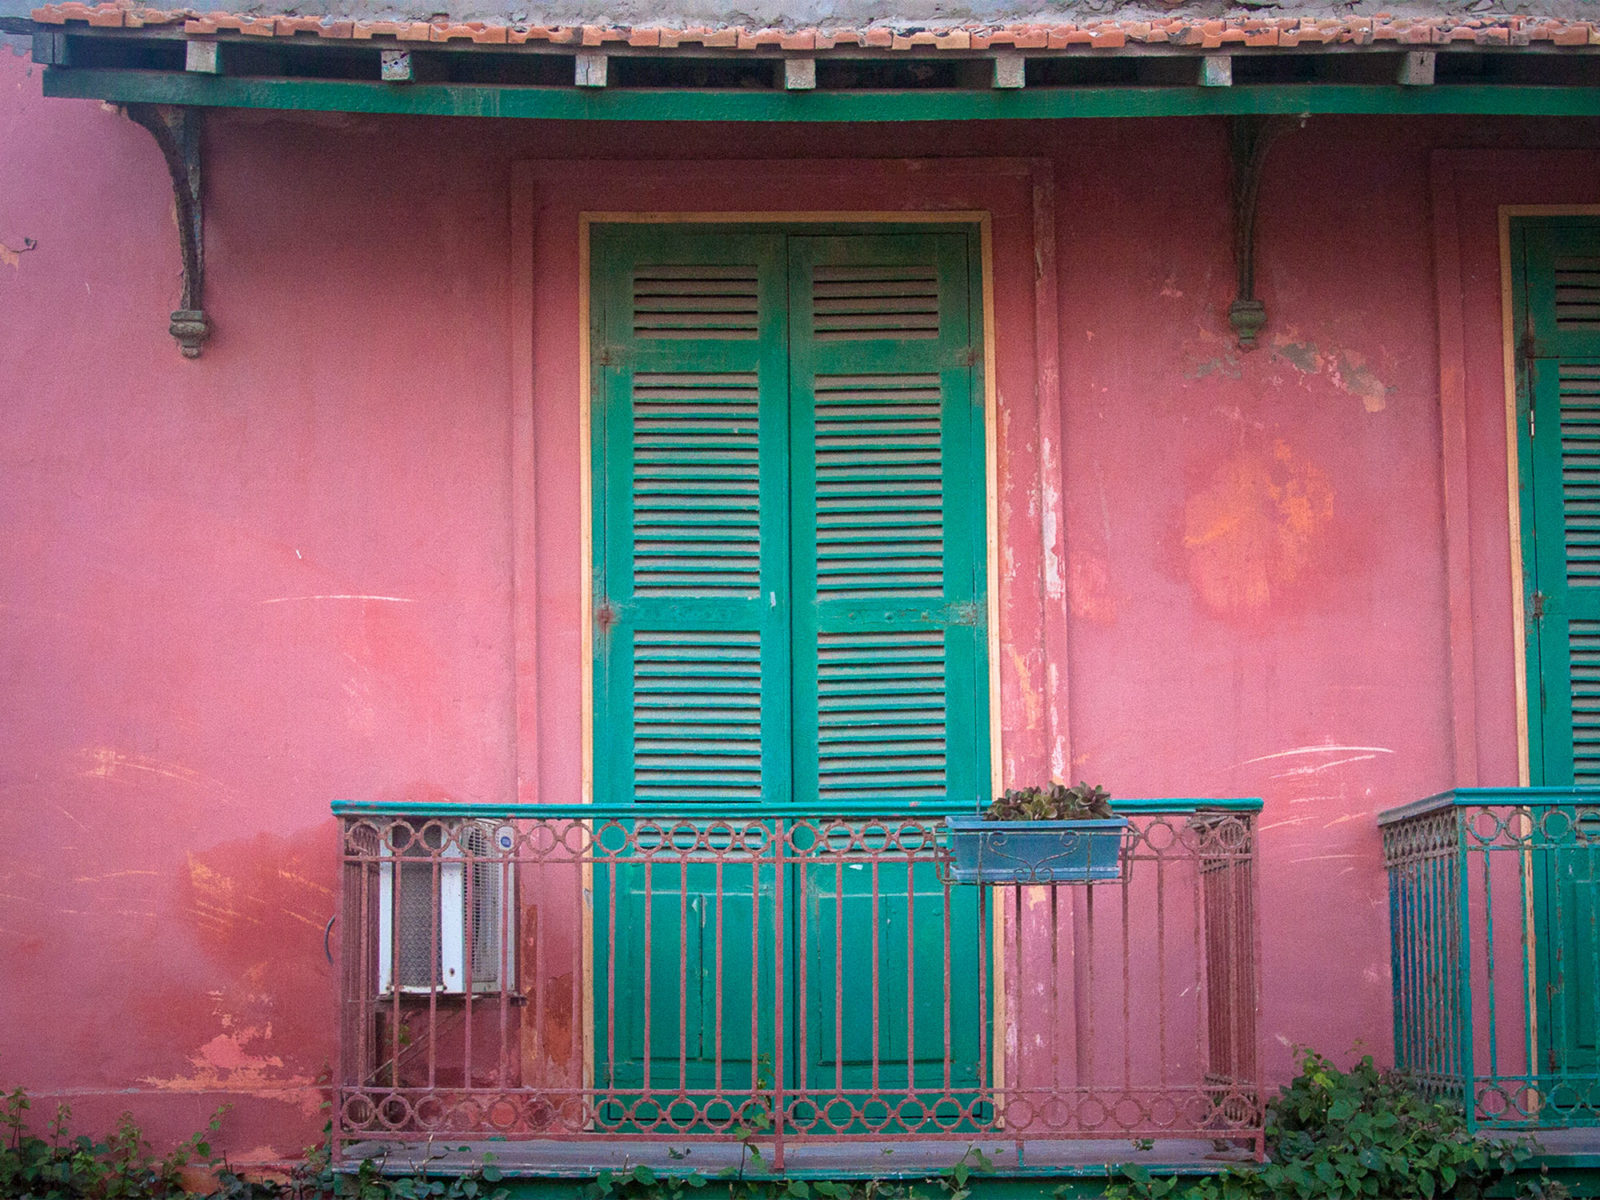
(1557, 318)
(789, 591)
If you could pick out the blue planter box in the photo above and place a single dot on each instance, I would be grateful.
(1034, 851)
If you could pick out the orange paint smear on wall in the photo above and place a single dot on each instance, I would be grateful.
(1252, 531)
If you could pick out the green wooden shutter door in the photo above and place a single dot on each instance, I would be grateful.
(790, 606)
(1562, 451)
(1559, 462)
(692, 649)
(691, 640)
(887, 513)
(887, 516)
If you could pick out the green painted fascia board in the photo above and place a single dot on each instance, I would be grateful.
(635, 812)
(639, 104)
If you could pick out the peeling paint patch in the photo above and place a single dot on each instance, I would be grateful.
(1302, 356)
(13, 258)
(1350, 374)
(1251, 530)
(1347, 370)
(1030, 702)
(227, 1063)
(1227, 366)
(1209, 355)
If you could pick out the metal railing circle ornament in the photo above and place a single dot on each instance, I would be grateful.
(1163, 1112)
(1129, 1113)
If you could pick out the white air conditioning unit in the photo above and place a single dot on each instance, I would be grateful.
(444, 908)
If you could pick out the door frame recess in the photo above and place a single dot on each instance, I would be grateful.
(885, 223)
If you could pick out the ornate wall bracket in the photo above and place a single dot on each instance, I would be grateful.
(177, 130)
(1249, 139)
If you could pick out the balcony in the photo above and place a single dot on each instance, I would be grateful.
(699, 989)
(1496, 962)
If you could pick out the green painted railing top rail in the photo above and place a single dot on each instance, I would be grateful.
(686, 104)
(1468, 797)
(568, 812)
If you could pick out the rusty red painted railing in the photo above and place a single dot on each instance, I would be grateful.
(630, 975)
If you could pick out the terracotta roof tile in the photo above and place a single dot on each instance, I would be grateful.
(1208, 34)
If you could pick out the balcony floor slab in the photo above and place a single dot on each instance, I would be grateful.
(579, 1158)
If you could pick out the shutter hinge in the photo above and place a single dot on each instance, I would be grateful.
(606, 356)
(1537, 611)
(605, 616)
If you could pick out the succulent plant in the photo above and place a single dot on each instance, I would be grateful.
(1052, 802)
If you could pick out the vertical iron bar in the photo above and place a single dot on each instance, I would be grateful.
(1433, 1044)
(649, 958)
(1557, 956)
(877, 983)
(683, 969)
(761, 832)
(342, 1074)
(1161, 970)
(1088, 944)
(718, 1017)
(838, 976)
(1055, 988)
(1258, 1063)
(1526, 947)
(1123, 889)
(1206, 1026)
(985, 1043)
(613, 869)
(468, 861)
(1490, 988)
(1013, 1031)
(503, 934)
(911, 971)
(780, 987)
(1464, 1015)
(945, 967)
(805, 872)
(395, 900)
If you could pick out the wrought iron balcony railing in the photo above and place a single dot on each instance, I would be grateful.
(629, 976)
(1493, 905)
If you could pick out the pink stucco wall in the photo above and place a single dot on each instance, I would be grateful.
(306, 566)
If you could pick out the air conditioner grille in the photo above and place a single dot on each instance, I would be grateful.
(417, 909)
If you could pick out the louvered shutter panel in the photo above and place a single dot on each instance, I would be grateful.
(691, 545)
(1560, 338)
(887, 513)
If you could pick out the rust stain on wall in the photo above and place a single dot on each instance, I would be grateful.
(556, 1034)
(1251, 531)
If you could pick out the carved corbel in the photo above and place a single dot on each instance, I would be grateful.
(1249, 139)
(177, 131)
